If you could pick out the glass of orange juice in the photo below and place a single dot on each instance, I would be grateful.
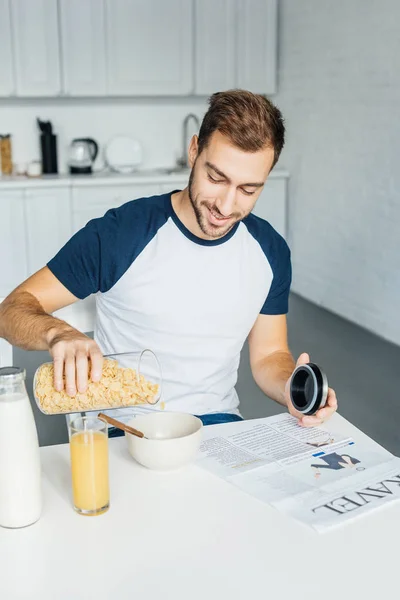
(88, 442)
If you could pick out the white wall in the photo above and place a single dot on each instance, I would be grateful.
(339, 90)
(156, 123)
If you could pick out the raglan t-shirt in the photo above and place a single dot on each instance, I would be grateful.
(191, 301)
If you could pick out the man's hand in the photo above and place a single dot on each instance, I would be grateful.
(71, 351)
(322, 414)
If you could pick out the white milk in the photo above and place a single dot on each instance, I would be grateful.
(20, 473)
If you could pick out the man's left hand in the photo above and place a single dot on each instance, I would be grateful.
(322, 414)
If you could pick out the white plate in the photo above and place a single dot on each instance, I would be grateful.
(123, 154)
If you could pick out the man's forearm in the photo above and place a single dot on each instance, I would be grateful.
(272, 373)
(24, 322)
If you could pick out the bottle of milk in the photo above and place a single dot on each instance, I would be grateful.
(20, 473)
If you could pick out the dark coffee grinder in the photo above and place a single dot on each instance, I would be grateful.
(48, 146)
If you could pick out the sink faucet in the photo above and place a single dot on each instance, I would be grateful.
(183, 160)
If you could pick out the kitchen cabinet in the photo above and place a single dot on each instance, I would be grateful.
(35, 224)
(136, 48)
(257, 45)
(235, 45)
(83, 47)
(150, 48)
(172, 186)
(13, 250)
(7, 84)
(215, 39)
(49, 227)
(271, 204)
(36, 47)
(91, 202)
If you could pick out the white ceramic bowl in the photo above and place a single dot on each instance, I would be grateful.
(174, 439)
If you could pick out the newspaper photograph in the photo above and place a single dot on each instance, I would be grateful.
(319, 475)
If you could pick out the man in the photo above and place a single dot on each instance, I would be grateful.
(190, 274)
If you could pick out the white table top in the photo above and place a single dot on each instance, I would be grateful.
(188, 535)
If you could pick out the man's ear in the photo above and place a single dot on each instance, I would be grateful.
(193, 150)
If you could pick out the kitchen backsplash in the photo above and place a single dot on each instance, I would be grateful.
(155, 123)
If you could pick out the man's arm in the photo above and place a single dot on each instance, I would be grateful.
(25, 322)
(270, 359)
(272, 366)
(24, 315)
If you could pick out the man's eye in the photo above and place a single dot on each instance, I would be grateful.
(214, 180)
(247, 193)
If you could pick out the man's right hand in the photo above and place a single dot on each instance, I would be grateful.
(71, 352)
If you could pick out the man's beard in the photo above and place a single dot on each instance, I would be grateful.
(207, 228)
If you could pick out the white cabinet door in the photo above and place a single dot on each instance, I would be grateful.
(36, 47)
(257, 45)
(91, 202)
(48, 219)
(173, 186)
(149, 46)
(83, 47)
(215, 33)
(271, 205)
(7, 87)
(12, 241)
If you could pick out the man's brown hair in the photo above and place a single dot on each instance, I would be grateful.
(250, 121)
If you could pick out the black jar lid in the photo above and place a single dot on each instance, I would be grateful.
(308, 388)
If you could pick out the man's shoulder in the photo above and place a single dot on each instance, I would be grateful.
(144, 208)
(272, 243)
(134, 222)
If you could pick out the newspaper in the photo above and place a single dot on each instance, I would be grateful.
(317, 475)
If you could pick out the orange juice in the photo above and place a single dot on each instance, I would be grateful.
(89, 468)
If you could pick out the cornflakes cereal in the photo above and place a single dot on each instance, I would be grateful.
(118, 387)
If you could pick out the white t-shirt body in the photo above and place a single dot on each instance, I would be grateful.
(191, 301)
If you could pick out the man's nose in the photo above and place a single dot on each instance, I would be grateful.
(226, 202)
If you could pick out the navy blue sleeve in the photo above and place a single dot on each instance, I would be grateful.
(97, 256)
(82, 264)
(277, 253)
(277, 301)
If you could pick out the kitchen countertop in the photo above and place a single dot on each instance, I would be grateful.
(106, 178)
(188, 534)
